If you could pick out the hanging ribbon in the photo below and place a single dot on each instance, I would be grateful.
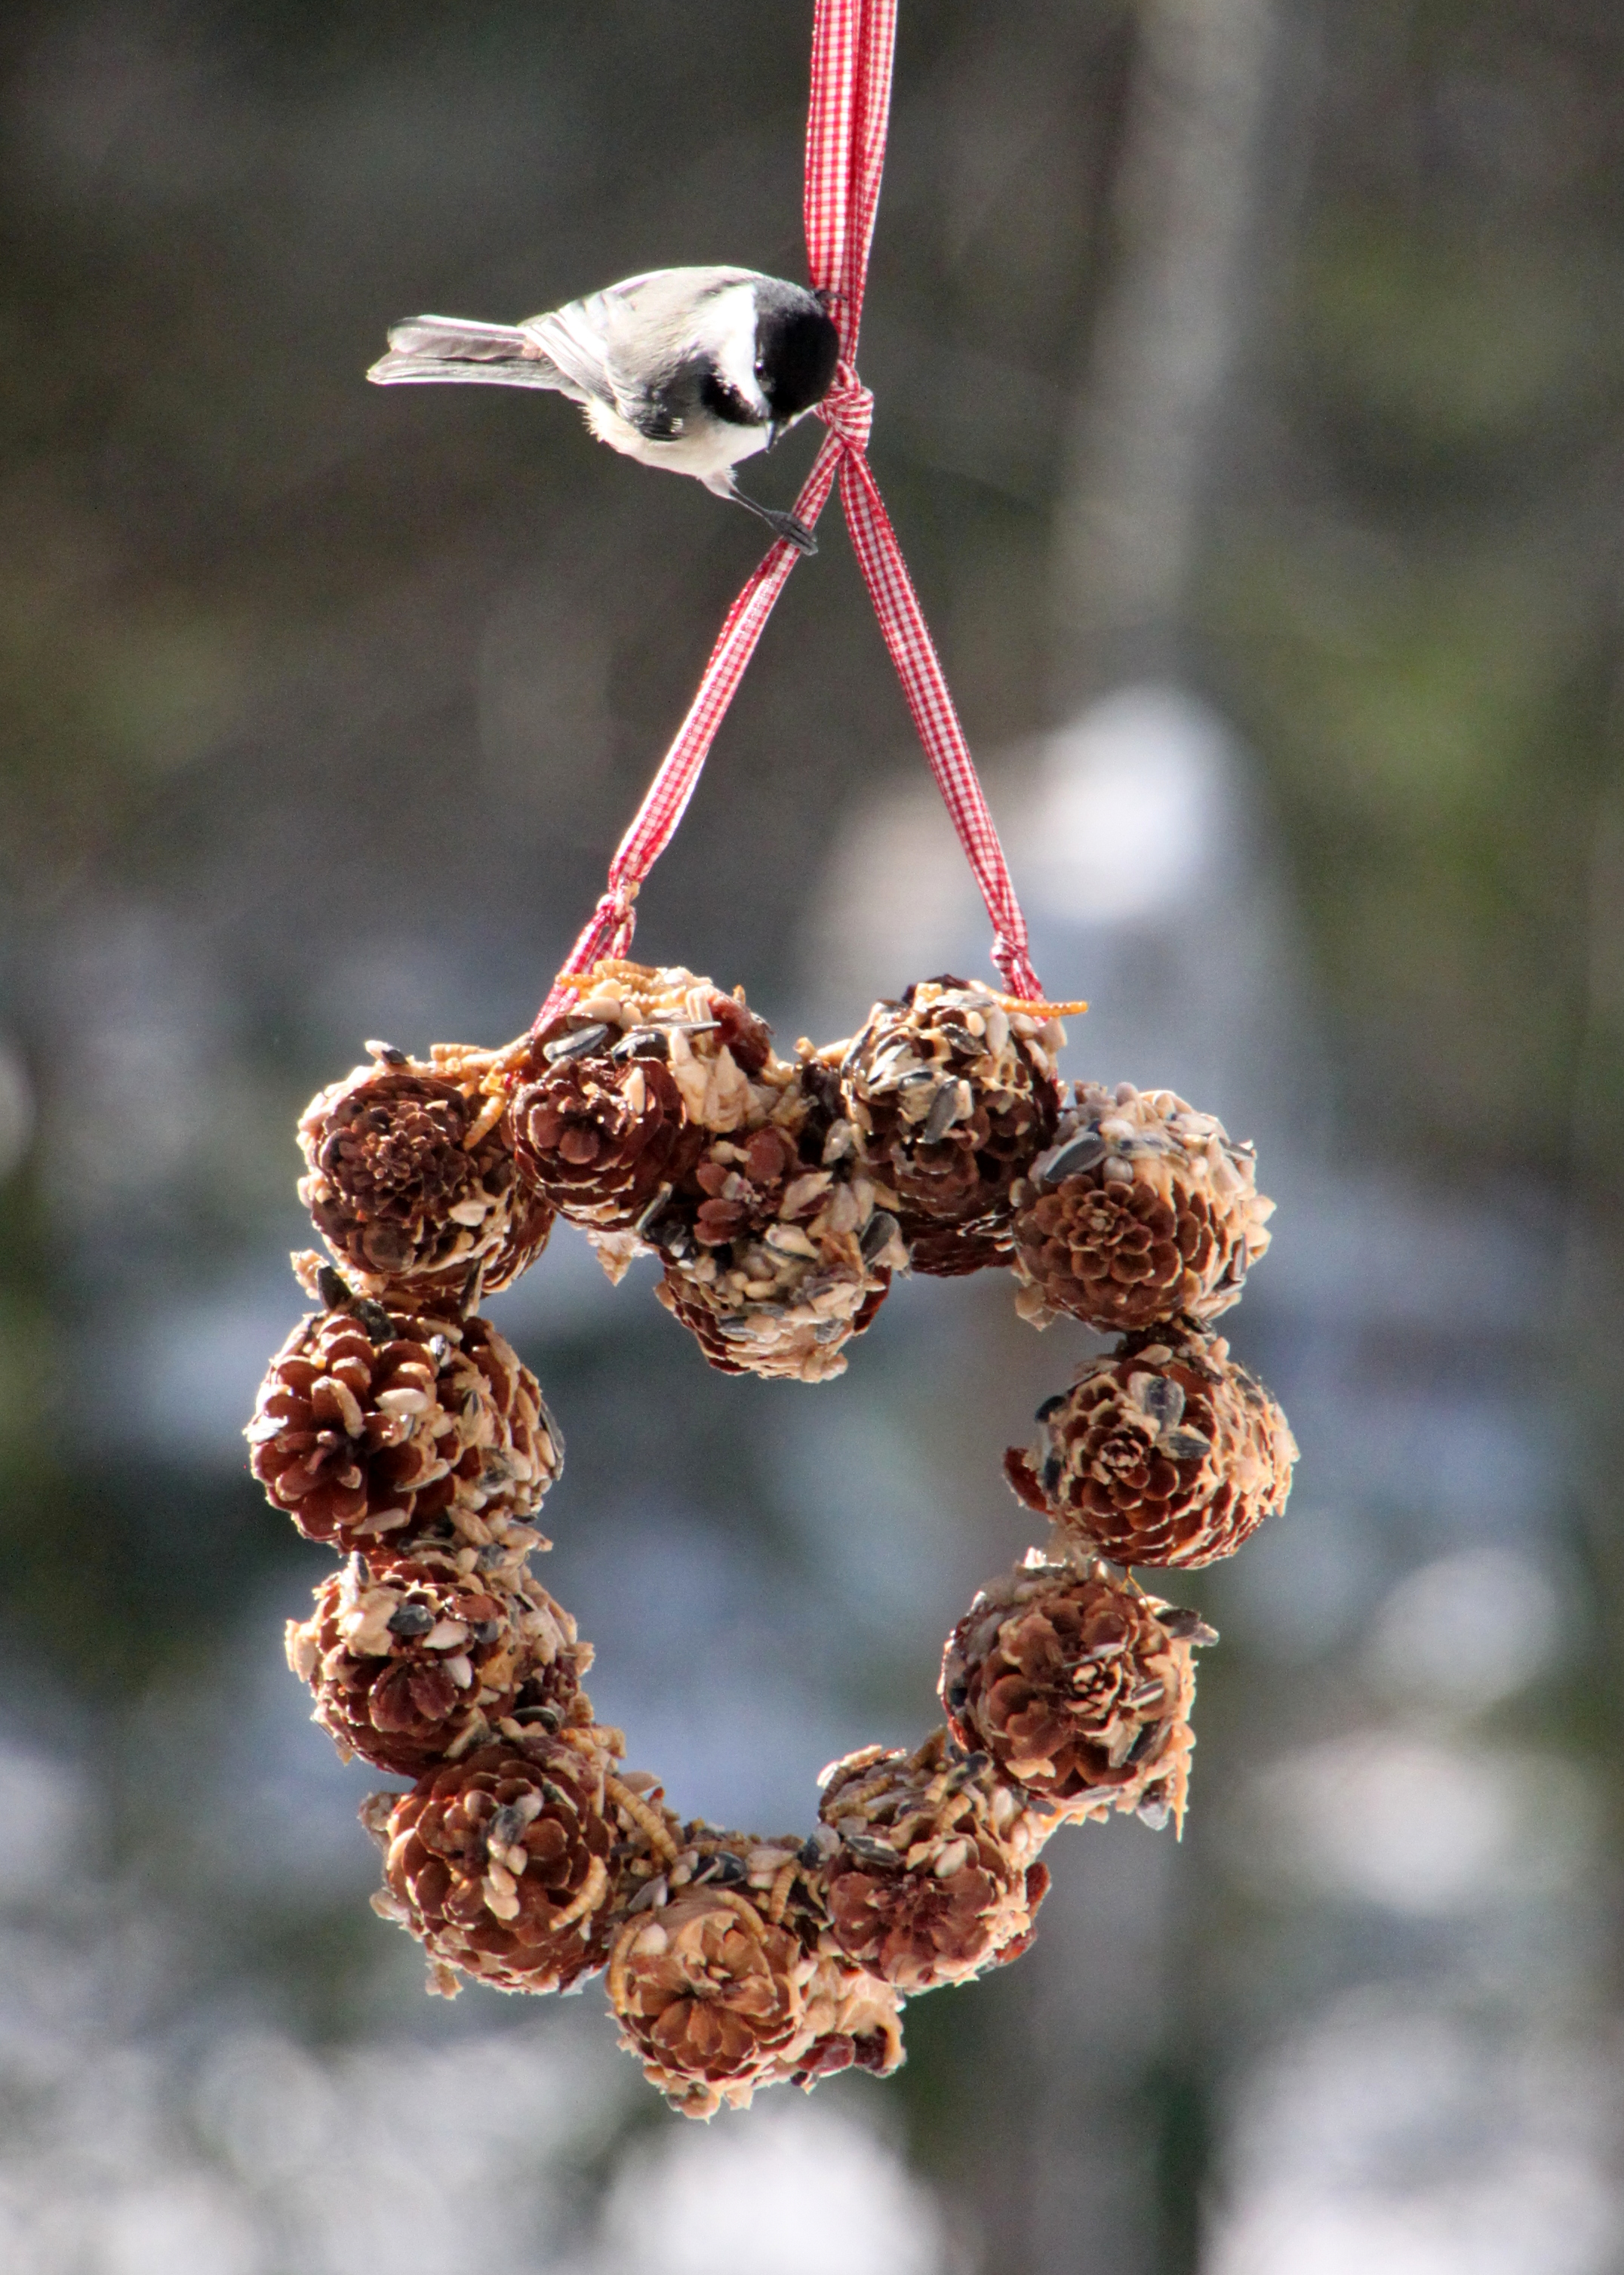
(853, 44)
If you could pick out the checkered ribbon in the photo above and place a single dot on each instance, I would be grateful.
(853, 42)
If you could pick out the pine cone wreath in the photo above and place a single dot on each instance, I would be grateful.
(500, 1864)
(1080, 1687)
(411, 1666)
(410, 1179)
(952, 1092)
(934, 1877)
(710, 1997)
(374, 1425)
(1164, 1452)
(1141, 1210)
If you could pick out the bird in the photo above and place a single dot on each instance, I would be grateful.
(692, 369)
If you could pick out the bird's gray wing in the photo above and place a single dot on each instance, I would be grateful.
(572, 342)
(429, 349)
(621, 344)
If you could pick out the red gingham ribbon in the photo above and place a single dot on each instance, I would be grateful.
(853, 42)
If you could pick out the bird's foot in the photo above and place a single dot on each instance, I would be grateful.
(784, 526)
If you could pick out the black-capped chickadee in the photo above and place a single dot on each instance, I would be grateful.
(690, 369)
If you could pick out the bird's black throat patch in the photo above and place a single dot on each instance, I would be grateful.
(725, 402)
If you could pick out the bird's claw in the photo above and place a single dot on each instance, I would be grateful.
(794, 533)
(784, 526)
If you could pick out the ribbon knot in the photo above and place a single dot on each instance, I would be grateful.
(848, 409)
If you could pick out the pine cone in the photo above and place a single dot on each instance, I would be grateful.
(761, 1312)
(850, 2018)
(953, 1090)
(934, 1877)
(786, 1296)
(411, 1667)
(411, 1182)
(604, 1137)
(738, 1185)
(500, 1863)
(1143, 1209)
(720, 1054)
(1079, 1687)
(710, 1997)
(1163, 1452)
(373, 1423)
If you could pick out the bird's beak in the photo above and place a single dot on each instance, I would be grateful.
(775, 427)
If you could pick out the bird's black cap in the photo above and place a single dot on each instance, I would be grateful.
(796, 349)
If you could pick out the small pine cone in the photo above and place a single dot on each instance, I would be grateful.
(374, 1423)
(719, 1053)
(760, 1312)
(1163, 1451)
(954, 1092)
(1142, 1210)
(710, 1997)
(411, 1182)
(1080, 1687)
(850, 2020)
(500, 1863)
(934, 1878)
(411, 1666)
(603, 1136)
(737, 1185)
(785, 1298)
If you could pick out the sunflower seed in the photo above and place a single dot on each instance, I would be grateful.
(1050, 1406)
(869, 1851)
(722, 1870)
(577, 1046)
(653, 1210)
(1155, 1395)
(1083, 1153)
(332, 1289)
(669, 1235)
(1185, 1625)
(643, 1043)
(877, 1233)
(944, 1112)
(1183, 1445)
(552, 1432)
(409, 1620)
(387, 1052)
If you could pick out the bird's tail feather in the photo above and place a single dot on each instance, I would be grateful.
(428, 348)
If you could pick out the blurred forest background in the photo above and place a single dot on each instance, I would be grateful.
(1250, 405)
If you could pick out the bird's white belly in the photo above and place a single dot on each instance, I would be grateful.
(707, 454)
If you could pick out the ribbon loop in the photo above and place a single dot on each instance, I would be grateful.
(853, 45)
